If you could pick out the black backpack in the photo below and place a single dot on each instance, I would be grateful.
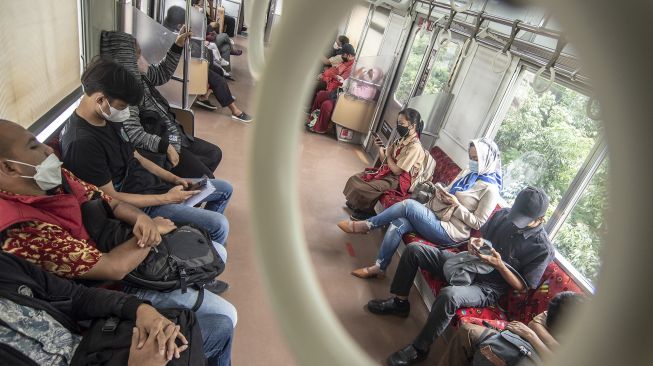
(504, 347)
(184, 258)
(107, 342)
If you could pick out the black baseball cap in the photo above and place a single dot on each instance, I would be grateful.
(348, 49)
(531, 203)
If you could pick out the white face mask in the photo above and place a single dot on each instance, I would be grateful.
(48, 173)
(143, 65)
(115, 115)
(335, 46)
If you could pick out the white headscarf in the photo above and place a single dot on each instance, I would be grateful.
(489, 156)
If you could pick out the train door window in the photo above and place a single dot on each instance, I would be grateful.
(579, 239)
(411, 69)
(544, 138)
(443, 65)
(375, 31)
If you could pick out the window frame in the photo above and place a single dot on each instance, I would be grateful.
(423, 62)
(596, 156)
(432, 59)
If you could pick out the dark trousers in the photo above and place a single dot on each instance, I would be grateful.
(450, 298)
(200, 158)
(230, 25)
(220, 88)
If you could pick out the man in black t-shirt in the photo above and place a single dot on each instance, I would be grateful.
(96, 148)
(518, 239)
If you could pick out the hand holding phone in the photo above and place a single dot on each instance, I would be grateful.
(196, 186)
(377, 140)
(475, 245)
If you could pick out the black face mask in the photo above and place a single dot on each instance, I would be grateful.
(402, 130)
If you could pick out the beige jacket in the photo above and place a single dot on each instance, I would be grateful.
(476, 206)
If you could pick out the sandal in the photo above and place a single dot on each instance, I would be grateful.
(354, 227)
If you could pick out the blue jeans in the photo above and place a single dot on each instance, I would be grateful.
(405, 217)
(210, 218)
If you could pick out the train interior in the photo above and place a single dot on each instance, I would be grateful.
(472, 69)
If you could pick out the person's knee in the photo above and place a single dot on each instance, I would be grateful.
(412, 207)
(218, 226)
(216, 156)
(412, 252)
(448, 297)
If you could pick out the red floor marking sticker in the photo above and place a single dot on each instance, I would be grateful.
(350, 250)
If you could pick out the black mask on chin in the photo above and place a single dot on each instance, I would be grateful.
(402, 130)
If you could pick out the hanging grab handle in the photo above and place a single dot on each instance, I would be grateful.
(466, 6)
(443, 40)
(506, 48)
(542, 87)
(472, 38)
(593, 114)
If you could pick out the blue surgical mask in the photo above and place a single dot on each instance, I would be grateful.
(473, 166)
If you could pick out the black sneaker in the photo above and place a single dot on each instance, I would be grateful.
(359, 215)
(243, 117)
(206, 104)
(407, 356)
(217, 287)
(391, 306)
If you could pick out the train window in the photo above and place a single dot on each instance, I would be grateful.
(412, 66)
(445, 60)
(40, 67)
(580, 237)
(544, 138)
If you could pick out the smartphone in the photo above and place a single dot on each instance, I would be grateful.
(376, 136)
(197, 185)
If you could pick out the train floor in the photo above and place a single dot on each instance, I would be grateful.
(258, 339)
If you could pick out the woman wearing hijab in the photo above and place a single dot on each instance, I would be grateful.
(402, 161)
(448, 217)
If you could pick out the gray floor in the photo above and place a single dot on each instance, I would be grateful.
(325, 166)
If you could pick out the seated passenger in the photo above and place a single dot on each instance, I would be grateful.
(43, 330)
(174, 21)
(219, 42)
(41, 222)
(96, 148)
(400, 163)
(517, 238)
(543, 332)
(188, 156)
(325, 101)
(448, 217)
(333, 77)
(334, 56)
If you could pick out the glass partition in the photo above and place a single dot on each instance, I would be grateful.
(411, 69)
(153, 38)
(174, 10)
(369, 76)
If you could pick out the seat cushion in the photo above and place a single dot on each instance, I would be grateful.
(525, 306)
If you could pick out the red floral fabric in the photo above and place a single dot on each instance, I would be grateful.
(52, 247)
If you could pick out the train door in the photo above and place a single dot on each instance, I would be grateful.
(412, 62)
